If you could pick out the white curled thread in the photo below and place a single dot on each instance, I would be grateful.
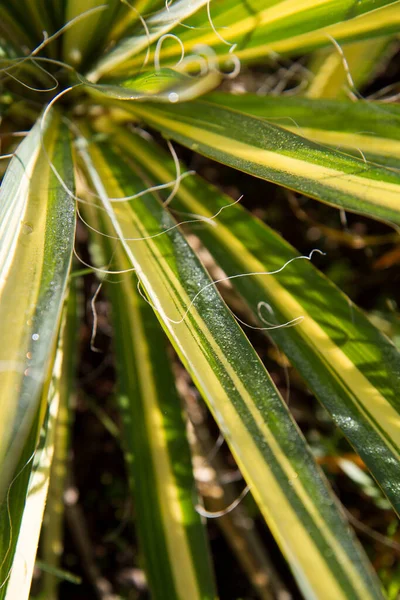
(159, 46)
(210, 62)
(30, 87)
(220, 513)
(353, 92)
(178, 174)
(101, 270)
(107, 206)
(350, 81)
(208, 220)
(219, 36)
(228, 278)
(270, 325)
(211, 57)
(195, 58)
(81, 144)
(47, 39)
(154, 188)
(234, 58)
(10, 519)
(146, 30)
(95, 318)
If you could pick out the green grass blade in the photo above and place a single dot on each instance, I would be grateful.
(255, 146)
(351, 367)
(25, 538)
(272, 454)
(37, 226)
(171, 534)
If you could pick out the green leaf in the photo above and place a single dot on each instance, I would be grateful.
(350, 366)
(165, 85)
(157, 25)
(37, 226)
(370, 127)
(24, 535)
(87, 34)
(265, 28)
(129, 14)
(268, 447)
(364, 59)
(13, 506)
(157, 452)
(35, 17)
(65, 387)
(12, 31)
(255, 146)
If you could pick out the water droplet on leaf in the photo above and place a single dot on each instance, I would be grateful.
(173, 97)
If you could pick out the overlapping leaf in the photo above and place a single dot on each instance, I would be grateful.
(93, 19)
(260, 29)
(352, 368)
(157, 26)
(364, 60)
(24, 527)
(370, 127)
(258, 147)
(267, 445)
(164, 85)
(157, 451)
(37, 226)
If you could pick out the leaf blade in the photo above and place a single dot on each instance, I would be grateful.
(282, 27)
(351, 367)
(269, 152)
(158, 456)
(370, 127)
(37, 227)
(266, 444)
(56, 398)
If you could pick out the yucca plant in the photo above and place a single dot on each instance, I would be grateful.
(106, 88)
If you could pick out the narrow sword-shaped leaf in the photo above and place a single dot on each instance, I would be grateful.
(53, 524)
(12, 30)
(255, 146)
(157, 25)
(353, 369)
(88, 33)
(56, 400)
(364, 60)
(372, 127)
(270, 450)
(165, 85)
(36, 18)
(157, 451)
(128, 15)
(270, 27)
(37, 227)
(13, 505)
